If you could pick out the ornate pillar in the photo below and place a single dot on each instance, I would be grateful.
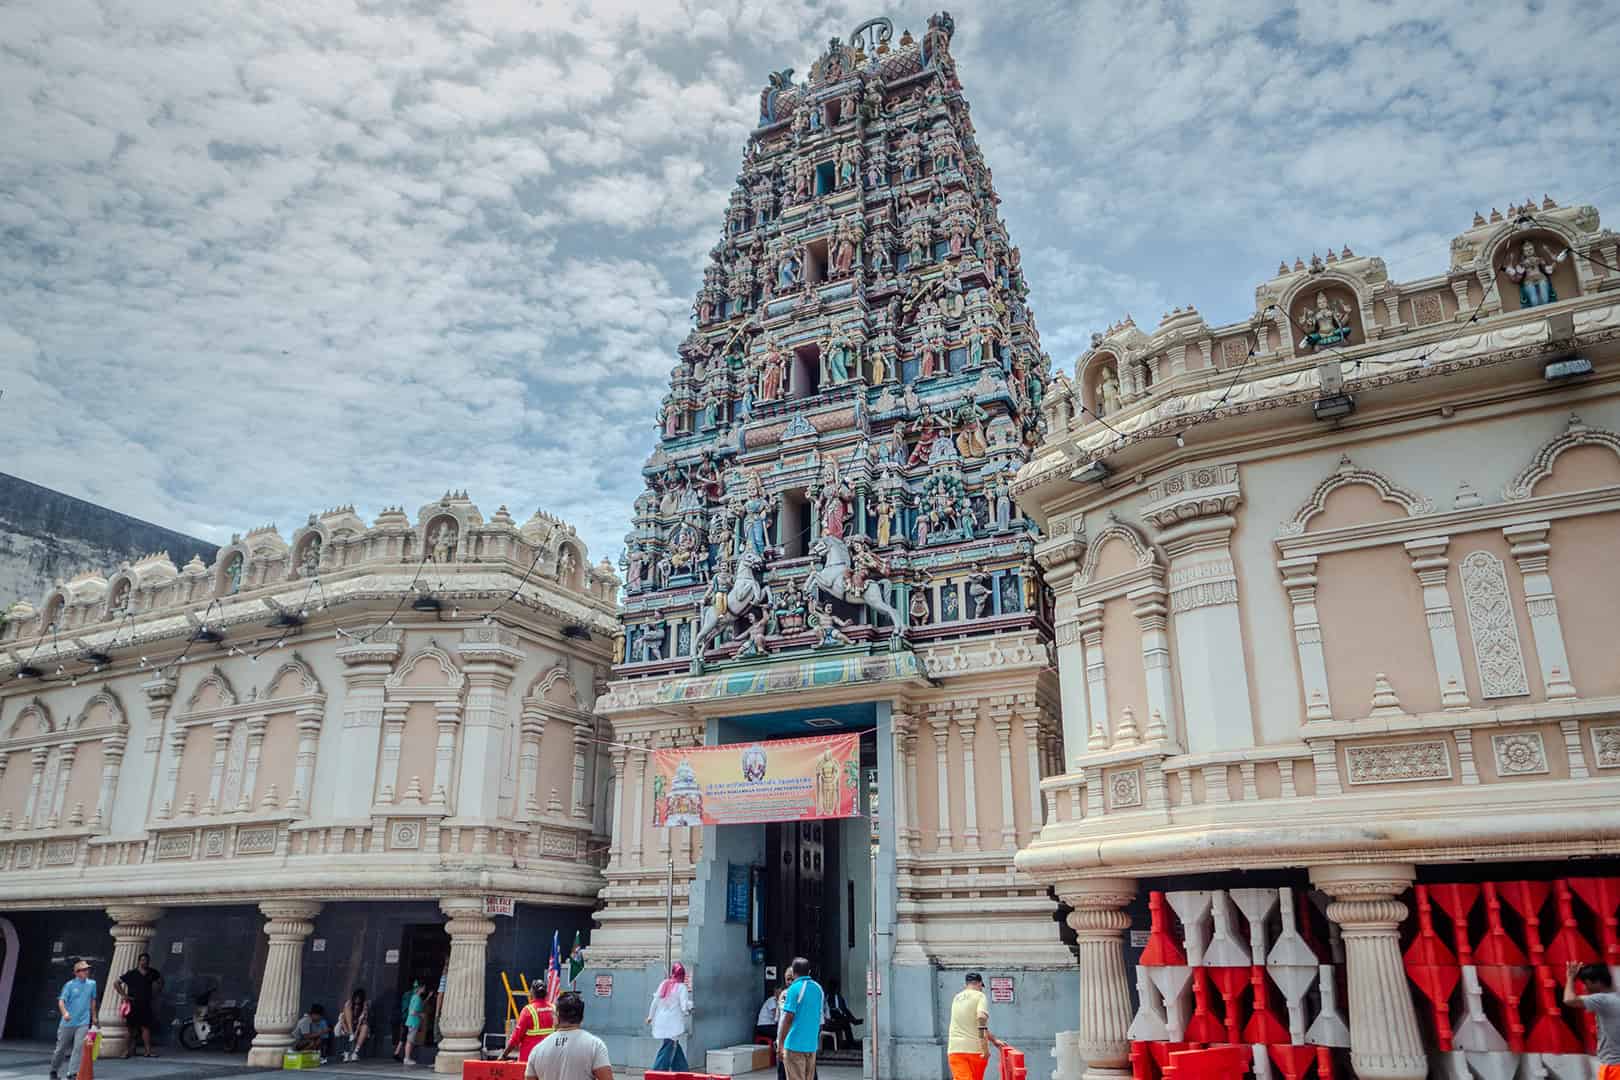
(64, 778)
(1429, 562)
(1032, 750)
(1059, 556)
(967, 726)
(1090, 631)
(365, 674)
(1151, 611)
(616, 824)
(281, 990)
(1099, 922)
(1531, 551)
(581, 739)
(309, 734)
(393, 722)
(250, 769)
(939, 720)
(1384, 1039)
(1299, 579)
(1001, 717)
(36, 779)
(1193, 511)
(531, 729)
(112, 760)
(132, 929)
(904, 813)
(171, 782)
(462, 1016)
(636, 822)
(159, 693)
(216, 771)
(447, 714)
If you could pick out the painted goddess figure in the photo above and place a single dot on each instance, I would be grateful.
(1532, 271)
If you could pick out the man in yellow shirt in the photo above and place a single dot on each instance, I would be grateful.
(968, 1047)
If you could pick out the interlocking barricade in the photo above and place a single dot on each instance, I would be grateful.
(473, 1069)
(1216, 1063)
(1012, 1063)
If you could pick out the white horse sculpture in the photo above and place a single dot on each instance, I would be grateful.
(747, 596)
(834, 576)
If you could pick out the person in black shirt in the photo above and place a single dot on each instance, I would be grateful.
(840, 1021)
(141, 987)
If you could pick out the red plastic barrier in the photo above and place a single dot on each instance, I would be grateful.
(1216, 1063)
(474, 1069)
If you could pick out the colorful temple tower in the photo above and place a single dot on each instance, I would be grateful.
(827, 542)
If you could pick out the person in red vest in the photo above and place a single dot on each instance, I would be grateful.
(537, 1020)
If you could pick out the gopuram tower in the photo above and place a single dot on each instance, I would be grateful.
(827, 543)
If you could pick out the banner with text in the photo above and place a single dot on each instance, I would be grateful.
(741, 783)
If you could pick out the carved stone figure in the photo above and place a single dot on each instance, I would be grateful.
(652, 642)
(1532, 270)
(979, 591)
(567, 563)
(1001, 493)
(829, 628)
(970, 440)
(1328, 322)
(839, 577)
(919, 608)
(310, 566)
(444, 542)
(757, 508)
(745, 603)
(835, 501)
(849, 165)
(1108, 393)
(838, 358)
(787, 273)
(885, 522)
(773, 372)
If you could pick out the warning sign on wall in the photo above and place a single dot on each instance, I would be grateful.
(604, 986)
(1001, 989)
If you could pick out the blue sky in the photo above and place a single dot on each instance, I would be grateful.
(261, 258)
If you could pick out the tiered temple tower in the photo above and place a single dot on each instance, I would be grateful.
(828, 521)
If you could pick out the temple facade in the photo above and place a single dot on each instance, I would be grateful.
(1336, 623)
(352, 759)
(827, 542)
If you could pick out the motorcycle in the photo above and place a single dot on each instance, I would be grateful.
(227, 1024)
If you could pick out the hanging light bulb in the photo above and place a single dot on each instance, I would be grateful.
(1179, 440)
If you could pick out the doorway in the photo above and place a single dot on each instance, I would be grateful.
(424, 953)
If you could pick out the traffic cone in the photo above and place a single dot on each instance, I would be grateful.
(87, 1054)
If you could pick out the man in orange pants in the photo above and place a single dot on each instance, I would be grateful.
(968, 1046)
(537, 1020)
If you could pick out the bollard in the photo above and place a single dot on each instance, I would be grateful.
(87, 1054)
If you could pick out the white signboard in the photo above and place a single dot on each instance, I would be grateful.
(318, 944)
(391, 956)
(1001, 989)
(500, 905)
(176, 948)
(1139, 938)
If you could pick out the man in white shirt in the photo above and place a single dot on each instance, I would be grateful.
(765, 1022)
(570, 1052)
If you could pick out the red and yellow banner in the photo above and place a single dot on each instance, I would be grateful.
(780, 780)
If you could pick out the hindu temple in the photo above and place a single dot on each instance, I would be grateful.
(827, 543)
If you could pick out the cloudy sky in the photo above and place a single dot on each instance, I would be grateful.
(261, 257)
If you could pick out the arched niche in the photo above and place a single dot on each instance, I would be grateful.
(230, 571)
(1309, 516)
(571, 565)
(1104, 364)
(442, 536)
(1576, 436)
(306, 552)
(1313, 333)
(1548, 245)
(119, 595)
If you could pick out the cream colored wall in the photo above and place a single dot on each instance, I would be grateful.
(1586, 579)
(1371, 609)
(196, 765)
(418, 746)
(277, 758)
(1122, 660)
(14, 787)
(84, 784)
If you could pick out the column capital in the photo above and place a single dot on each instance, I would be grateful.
(1098, 894)
(466, 915)
(1364, 881)
(286, 916)
(160, 687)
(133, 916)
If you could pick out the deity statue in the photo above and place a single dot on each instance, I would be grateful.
(1532, 271)
(970, 440)
(829, 786)
(787, 272)
(849, 165)
(801, 124)
(835, 501)
(829, 628)
(865, 564)
(773, 374)
(444, 542)
(618, 647)
(920, 530)
(838, 357)
(652, 642)
(926, 428)
(1001, 493)
(1108, 393)
(817, 117)
(567, 563)
(872, 103)
(757, 509)
(975, 349)
(706, 478)
(311, 564)
(959, 235)
(918, 239)
(885, 522)
(919, 608)
(979, 590)
(878, 367)
(803, 177)
(967, 518)
(633, 565)
(720, 538)
(1329, 322)
(711, 411)
(846, 239)
(233, 575)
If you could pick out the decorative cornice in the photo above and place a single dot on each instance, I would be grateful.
(1348, 473)
(1201, 491)
(1577, 433)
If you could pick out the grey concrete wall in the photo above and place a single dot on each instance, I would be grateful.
(45, 535)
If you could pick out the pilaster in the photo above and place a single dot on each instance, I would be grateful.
(256, 727)
(1531, 551)
(1299, 580)
(1209, 634)
(112, 761)
(1429, 562)
(366, 667)
(1090, 631)
(1001, 717)
(967, 727)
(939, 720)
(159, 691)
(1384, 1040)
(309, 733)
(903, 802)
(1149, 605)
(489, 655)
(1059, 556)
(280, 991)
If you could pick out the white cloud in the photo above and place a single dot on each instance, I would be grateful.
(269, 257)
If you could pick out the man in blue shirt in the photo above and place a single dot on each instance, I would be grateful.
(77, 1004)
(798, 1033)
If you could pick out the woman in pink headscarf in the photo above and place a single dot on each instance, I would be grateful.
(668, 1014)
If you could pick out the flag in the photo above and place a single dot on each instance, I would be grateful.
(576, 960)
(554, 968)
